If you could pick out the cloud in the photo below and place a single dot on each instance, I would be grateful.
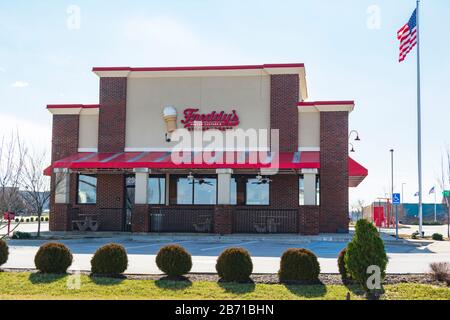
(20, 84)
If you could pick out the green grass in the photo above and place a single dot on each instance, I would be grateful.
(37, 286)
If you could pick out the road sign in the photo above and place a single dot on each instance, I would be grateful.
(446, 193)
(396, 198)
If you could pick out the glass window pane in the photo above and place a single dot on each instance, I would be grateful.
(233, 191)
(156, 190)
(317, 191)
(205, 191)
(257, 193)
(184, 191)
(87, 189)
(301, 191)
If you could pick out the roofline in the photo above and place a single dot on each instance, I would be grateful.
(324, 103)
(73, 106)
(200, 68)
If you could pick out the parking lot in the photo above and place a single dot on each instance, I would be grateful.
(265, 253)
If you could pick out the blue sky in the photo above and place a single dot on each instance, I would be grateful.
(347, 56)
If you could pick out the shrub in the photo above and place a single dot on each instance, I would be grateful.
(42, 218)
(4, 252)
(22, 220)
(437, 237)
(440, 271)
(365, 250)
(53, 257)
(17, 220)
(111, 259)
(234, 265)
(31, 219)
(299, 265)
(21, 235)
(27, 220)
(174, 260)
(345, 275)
(46, 218)
(415, 235)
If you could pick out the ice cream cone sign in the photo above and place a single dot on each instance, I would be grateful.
(170, 117)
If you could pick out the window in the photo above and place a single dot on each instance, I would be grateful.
(317, 190)
(247, 190)
(156, 190)
(202, 190)
(301, 190)
(257, 193)
(87, 189)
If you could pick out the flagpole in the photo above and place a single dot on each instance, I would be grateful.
(419, 123)
(435, 211)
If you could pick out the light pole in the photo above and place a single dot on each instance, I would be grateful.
(403, 184)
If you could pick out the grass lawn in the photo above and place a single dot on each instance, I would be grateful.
(37, 286)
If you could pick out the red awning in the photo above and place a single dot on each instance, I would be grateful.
(201, 160)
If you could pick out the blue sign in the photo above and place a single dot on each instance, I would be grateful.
(396, 198)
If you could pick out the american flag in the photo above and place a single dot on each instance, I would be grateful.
(408, 36)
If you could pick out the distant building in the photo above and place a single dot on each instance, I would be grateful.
(380, 212)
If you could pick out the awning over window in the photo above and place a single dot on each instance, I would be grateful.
(202, 160)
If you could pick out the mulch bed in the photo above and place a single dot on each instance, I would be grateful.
(325, 278)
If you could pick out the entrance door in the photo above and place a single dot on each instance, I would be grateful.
(130, 185)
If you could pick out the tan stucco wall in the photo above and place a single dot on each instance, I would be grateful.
(309, 130)
(88, 135)
(147, 97)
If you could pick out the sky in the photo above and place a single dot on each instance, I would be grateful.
(349, 47)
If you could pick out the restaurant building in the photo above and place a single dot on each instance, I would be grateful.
(129, 164)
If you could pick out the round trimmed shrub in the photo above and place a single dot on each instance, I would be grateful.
(437, 237)
(234, 265)
(53, 257)
(174, 260)
(4, 252)
(31, 219)
(46, 218)
(299, 265)
(365, 250)
(345, 275)
(111, 259)
(27, 220)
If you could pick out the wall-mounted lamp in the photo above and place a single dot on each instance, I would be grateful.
(357, 135)
(168, 138)
(353, 148)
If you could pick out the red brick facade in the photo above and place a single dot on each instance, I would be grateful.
(113, 103)
(334, 172)
(331, 216)
(284, 96)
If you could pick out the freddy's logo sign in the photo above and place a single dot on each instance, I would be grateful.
(214, 120)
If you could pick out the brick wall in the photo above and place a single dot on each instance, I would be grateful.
(284, 192)
(223, 219)
(140, 221)
(308, 220)
(284, 97)
(113, 100)
(334, 171)
(65, 131)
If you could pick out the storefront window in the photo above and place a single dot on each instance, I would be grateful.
(301, 191)
(317, 190)
(87, 189)
(257, 193)
(197, 191)
(156, 190)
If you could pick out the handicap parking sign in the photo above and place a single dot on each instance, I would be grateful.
(396, 198)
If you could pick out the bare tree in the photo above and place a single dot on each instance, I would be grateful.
(358, 208)
(35, 184)
(12, 157)
(445, 181)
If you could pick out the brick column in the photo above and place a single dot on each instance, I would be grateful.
(284, 97)
(308, 220)
(65, 131)
(113, 101)
(223, 219)
(334, 172)
(110, 201)
(284, 191)
(140, 221)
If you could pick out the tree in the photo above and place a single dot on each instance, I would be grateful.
(36, 185)
(364, 253)
(358, 209)
(12, 158)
